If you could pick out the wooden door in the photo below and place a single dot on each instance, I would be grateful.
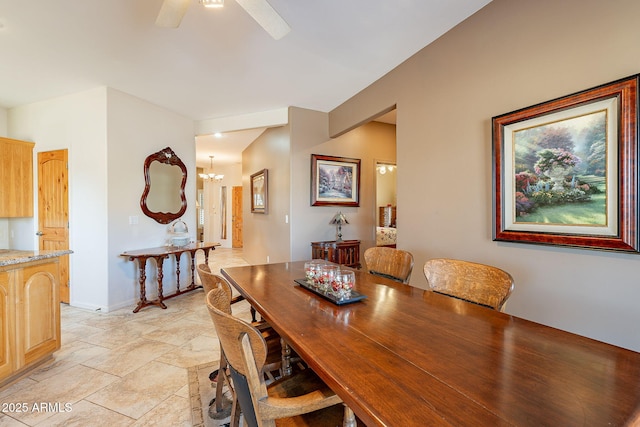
(53, 210)
(236, 217)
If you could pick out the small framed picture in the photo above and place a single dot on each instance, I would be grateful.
(259, 192)
(335, 181)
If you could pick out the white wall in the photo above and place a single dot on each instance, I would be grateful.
(4, 222)
(108, 134)
(77, 123)
(3, 122)
(510, 55)
(137, 129)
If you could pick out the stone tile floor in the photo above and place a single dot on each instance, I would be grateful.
(121, 368)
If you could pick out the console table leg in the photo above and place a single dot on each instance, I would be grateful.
(193, 268)
(177, 255)
(159, 262)
(142, 263)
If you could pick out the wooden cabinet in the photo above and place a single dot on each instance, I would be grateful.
(7, 323)
(345, 252)
(29, 295)
(16, 178)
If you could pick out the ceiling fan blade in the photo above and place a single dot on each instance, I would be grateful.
(266, 16)
(171, 13)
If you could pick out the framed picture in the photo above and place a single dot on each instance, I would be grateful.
(335, 181)
(565, 171)
(259, 192)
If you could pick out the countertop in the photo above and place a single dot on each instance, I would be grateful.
(11, 256)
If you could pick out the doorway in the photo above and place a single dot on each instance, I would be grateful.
(386, 192)
(386, 203)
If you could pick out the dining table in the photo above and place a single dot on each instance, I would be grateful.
(405, 356)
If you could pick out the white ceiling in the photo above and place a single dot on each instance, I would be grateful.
(219, 62)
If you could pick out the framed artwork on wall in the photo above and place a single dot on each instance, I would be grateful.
(565, 171)
(259, 192)
(335, 181)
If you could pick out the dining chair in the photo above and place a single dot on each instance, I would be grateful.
(273, 367)
(301, 399)
(210, 280)
(478, 283)
(395, 264)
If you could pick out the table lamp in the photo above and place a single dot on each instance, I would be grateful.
(338, 220)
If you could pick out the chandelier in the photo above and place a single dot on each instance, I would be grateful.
(211, 176)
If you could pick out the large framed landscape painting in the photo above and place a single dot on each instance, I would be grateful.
(565, 172)
(335, 181)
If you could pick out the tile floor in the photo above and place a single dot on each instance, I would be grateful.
(121, 368)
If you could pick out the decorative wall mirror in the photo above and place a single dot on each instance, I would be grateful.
(165, 176)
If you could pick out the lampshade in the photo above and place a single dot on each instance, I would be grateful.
(339, 219)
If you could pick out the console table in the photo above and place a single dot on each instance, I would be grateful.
(345, 252)
(159, 254)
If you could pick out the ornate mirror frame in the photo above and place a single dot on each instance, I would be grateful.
(166, 156)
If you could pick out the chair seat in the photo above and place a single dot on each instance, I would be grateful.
(297, 385)
(301, 383)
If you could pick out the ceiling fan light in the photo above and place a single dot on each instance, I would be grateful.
(212, 3)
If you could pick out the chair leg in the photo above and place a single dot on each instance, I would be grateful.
(220, 384)
(349, 417)
(235, 414)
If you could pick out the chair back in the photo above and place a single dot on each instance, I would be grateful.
(391, 263)
(211, 281)
(245, 350)
(206, 278)
(477, 283)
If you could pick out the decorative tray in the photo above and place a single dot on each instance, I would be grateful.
(355, 296)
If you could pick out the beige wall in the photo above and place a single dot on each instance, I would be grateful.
(286, 153)
(509, 55)
(374, 141)
(267, 236)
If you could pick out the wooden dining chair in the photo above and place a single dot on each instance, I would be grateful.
(478, 283)
(210, 280)
(301, 399)
(273, 367)
(395, 264)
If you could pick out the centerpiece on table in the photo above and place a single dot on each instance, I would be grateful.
(329, 279)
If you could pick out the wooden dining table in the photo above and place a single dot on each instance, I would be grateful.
(404, 356)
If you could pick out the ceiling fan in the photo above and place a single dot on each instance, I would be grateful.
(172, 11)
